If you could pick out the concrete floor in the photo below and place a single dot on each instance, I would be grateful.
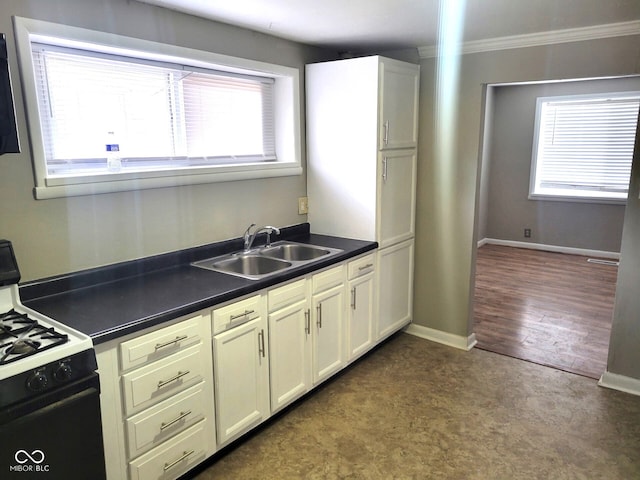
(413, 409)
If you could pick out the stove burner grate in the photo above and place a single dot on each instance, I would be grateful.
(22, 336)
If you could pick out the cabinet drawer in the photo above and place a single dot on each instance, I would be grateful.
(237, 313)
(158, 344)
(159, 380)
(172, 458)
(327, 279)
(287, 295)
(361, 266)
(164, 420)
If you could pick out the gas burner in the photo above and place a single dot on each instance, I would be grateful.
(24, 347)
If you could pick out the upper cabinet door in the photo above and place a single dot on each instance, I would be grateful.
(397, 196)
(399, 84)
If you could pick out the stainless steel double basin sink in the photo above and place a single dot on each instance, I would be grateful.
(265, 261)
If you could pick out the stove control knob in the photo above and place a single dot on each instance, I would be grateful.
(37, 381)
(63, 372)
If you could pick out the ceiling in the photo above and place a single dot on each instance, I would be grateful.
(378, 25)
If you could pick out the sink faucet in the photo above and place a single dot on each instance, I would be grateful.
(249, 237)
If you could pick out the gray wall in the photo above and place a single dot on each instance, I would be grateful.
(507, 168)
(624, 346)
(62, 235)
(448, 189)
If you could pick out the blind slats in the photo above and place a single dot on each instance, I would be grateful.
(164, 116)
(586, 144)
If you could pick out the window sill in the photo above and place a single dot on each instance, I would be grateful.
(559, 197)
(57, 188)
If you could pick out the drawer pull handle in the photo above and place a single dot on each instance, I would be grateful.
(185, 455)
(364, 267)
(178, 376)
(182, 415)
(241, 315)
(171, 342)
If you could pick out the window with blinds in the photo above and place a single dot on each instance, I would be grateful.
(583, 146)
(163, 116)
(178, 115)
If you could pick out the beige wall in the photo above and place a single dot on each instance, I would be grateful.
(57, 236)
(448, 189)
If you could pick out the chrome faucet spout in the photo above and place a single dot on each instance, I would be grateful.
(249, 237)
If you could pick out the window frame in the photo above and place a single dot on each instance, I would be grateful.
(560, 194)
(286, 93)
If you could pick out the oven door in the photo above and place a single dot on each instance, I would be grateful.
(55, 436)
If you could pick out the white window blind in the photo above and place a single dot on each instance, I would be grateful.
(164, 116)
(584, 146)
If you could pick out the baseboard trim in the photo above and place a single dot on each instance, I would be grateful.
(550, 248)
(620, 382)
(445, 338)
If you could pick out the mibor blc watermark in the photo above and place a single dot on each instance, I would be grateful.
(29, 462)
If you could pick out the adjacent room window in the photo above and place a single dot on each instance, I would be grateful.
(583, 147)
(109, 113)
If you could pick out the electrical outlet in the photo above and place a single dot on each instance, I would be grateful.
(527, 233)
(303, 205)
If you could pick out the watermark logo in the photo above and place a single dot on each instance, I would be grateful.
(29, 462)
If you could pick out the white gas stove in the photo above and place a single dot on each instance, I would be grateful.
(29, 339)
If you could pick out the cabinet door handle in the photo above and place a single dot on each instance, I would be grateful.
(353, 298)
(240, 315)
(178, 376)
(319, 312)
(182, 415)
(384, 169)
(171, 342)
(307, 321)
(261, 343)
(184, 456)
(385, 140)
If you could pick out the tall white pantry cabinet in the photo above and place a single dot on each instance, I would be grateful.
(362, 130)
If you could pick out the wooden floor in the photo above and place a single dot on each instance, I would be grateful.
(549, 308)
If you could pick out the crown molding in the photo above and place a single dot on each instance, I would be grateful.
(541, 38)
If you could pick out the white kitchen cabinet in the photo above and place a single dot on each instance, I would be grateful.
(399, 85)
(241, 373)
(328, 336)
(395, 287)
(362, 117)
(361, 313)
(157, 400)
(397, 193)
(306, 334)
(289, 343)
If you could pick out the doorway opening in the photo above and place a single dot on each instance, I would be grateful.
(544, 302)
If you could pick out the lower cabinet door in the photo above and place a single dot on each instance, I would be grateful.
(172, 458)
(395, 287)
(361, 315)
(241, 373)
(328, 333)
(290, 348)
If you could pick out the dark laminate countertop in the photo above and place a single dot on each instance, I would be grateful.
(110, 302)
